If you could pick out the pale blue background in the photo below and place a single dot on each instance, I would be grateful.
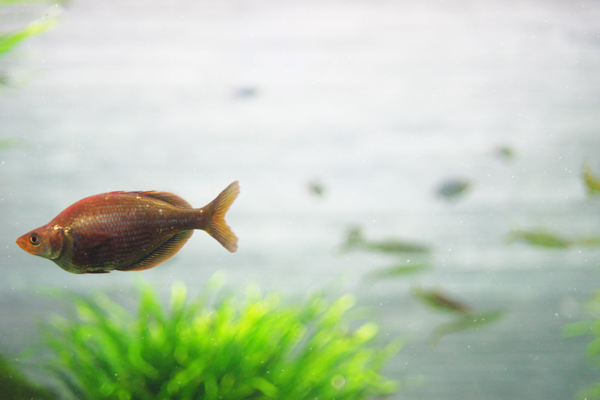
(381, 101)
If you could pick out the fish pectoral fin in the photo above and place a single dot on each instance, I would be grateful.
(161, 254)
(89, 240)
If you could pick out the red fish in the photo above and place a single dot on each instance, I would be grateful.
(127, 231)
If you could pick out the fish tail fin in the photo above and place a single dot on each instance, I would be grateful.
(214, 222)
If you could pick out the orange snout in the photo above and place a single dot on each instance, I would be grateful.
(23, 243)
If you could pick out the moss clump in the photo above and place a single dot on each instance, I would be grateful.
(253, 348)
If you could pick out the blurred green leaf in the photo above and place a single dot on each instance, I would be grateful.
(592, 182)
(397, 246)
(356, 240)
(539, 237)
(14, 386)
(398, 271)
(591, 241)
(472, 321)
(453, 188)
(581, 328)
(593, 348)
(591, 393)
(505, 153)
(316, 188)
(13, 143)
(9, 40)
(545, 238)
(592, 328)
(440, 301)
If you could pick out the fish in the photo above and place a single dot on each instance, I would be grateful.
(128, 231)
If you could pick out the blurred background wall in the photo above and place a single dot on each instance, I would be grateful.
(443, 123)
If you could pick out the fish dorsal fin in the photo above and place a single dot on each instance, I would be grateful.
(168, 198)
(161, 254)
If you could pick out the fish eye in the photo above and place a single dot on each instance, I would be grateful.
(35, 239)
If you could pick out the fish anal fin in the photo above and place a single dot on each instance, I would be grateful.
(167, 197)
(161, 254)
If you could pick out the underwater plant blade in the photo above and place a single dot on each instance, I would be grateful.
(589, 241)
(11, 40)
(593, 349)
(580, 328)
(591, 181)
(538, 237)
(14, 386)
(240, 349)
(71, 384)
(395, 246)
(356, 241)
(591, 393)
(470, 322)
(441, 302)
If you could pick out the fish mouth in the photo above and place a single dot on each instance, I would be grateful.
(24, 244)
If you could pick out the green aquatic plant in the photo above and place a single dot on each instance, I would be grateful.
(9, 39)
(591, 181)
(399, 270)
(253, 348)
(472, 321)
(545, 238)
(591, 241)
(467, 317)
(316, 188)
(592, 328)
(356, 240)
(538, 237)
(15, 386)
(453, 188)
(440, 301)
(505, 153)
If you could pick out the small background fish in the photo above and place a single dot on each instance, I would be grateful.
(127, 231)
